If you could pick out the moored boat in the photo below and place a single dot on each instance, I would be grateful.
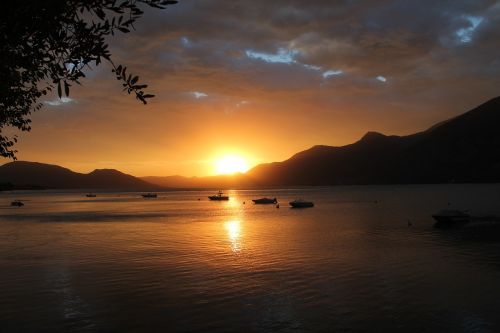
(219, 197)
(149, 195)
(264, 201)
(17, 203)
(90, 195)
(301, 203)
(450, 217)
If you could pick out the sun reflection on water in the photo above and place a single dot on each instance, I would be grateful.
(234, 233)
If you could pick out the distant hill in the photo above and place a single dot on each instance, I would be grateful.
(21, 174)
(462, 149)
(210, 182)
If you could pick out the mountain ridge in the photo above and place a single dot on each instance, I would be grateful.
(464, 148)
(26, 174)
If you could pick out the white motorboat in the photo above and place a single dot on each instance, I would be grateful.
(451, 217)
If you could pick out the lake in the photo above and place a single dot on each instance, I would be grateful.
(364, 259)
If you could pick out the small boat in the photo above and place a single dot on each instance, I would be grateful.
(17, 203)
(90, 195)
(301, 203)
(219, 197)
(150, 195)
(265, 201)
(449, 217)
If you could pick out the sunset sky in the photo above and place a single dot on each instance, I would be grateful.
(262, 80)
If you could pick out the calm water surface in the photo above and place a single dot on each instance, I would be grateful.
(119, 262)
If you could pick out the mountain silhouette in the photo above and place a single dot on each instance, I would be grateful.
(209, 182)
(24, 174)
(462, 149)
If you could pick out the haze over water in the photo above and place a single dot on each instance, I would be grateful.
(119, 262)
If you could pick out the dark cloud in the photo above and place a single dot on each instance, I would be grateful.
(395, 39)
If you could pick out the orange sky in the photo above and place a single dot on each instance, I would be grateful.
(268, 82)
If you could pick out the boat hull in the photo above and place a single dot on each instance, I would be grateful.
(265, 201)
(301, 204)
(218, 198)
(450, 218)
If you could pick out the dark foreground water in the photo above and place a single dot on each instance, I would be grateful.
(122, 263)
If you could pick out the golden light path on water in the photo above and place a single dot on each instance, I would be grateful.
(233, 229)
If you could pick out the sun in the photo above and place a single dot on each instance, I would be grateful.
(231, 164)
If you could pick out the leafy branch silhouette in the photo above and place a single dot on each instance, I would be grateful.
(47, 45)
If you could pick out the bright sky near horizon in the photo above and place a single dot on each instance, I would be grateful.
(251, 82)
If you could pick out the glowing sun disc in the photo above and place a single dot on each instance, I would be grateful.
(231, 164)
